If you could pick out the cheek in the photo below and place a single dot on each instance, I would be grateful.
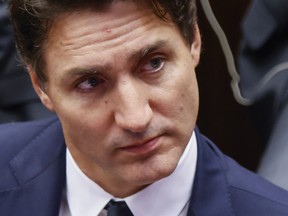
(84, 135)
(180, 108)
(85, 123)
(185, 104)
(183, 94)
(82, 123)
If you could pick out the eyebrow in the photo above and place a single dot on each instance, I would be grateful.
(82, 71)
(135, 56)
(143, 52)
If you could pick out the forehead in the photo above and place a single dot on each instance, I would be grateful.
(85, 35)
(102, 15)
(110, 17)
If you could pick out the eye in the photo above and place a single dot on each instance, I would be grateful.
(90, 83)
(154, 65)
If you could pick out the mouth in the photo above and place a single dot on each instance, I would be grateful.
(141, 148)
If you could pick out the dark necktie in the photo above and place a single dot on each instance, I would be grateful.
(118, 209)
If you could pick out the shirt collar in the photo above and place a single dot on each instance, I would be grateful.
(85, 197)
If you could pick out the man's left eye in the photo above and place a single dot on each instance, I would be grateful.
(154, 65)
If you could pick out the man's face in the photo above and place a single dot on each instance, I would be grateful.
(123, 84)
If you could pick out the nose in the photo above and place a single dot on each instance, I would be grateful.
(132, 108)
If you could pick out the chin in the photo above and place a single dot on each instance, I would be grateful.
(151, 173)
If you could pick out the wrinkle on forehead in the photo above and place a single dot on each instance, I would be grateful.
(107, 29)
(105, 35)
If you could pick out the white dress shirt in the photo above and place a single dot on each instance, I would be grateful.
(168, 196)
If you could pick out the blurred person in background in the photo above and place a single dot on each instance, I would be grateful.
(18, 100)
(263, 69)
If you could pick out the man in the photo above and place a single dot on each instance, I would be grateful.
(120, 76)
(18, 100)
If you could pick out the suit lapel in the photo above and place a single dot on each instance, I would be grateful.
(40, 172)
(210, 196)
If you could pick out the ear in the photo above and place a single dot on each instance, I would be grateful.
(196, 46)
(40, 89)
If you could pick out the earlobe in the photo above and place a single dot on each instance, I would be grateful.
(196, 45)
(40, 89)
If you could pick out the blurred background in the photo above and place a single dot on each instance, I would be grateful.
(221, 118)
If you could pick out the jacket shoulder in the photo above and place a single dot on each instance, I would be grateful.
(247, 192)
(15, 136)
(252, 193)
(32, 164)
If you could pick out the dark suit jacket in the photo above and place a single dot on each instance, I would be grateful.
(32, 164)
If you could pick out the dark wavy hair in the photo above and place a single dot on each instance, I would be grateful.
(32, 21)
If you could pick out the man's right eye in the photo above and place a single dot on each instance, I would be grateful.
(90, 83)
